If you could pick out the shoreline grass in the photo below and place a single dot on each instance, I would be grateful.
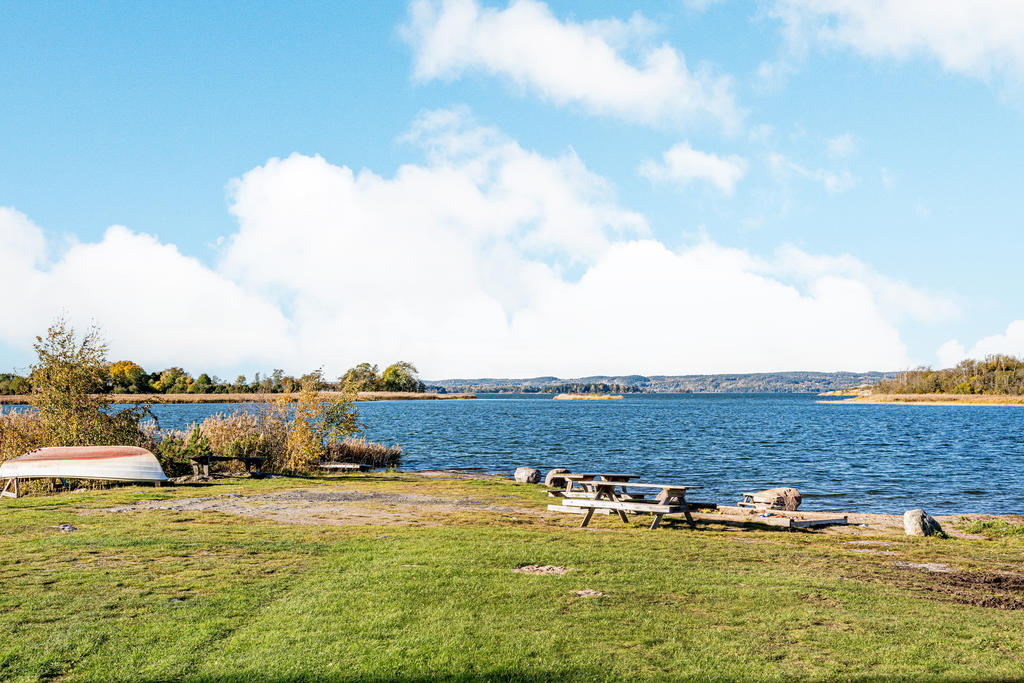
(158, 594)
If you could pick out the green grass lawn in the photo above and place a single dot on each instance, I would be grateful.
(164, 594)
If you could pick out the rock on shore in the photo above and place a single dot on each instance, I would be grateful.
(917, 522)
(527, 475)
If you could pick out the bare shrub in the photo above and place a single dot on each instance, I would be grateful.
(65, 378)
(312, 426)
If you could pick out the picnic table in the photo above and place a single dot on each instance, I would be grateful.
(584, 479)
(613, 494)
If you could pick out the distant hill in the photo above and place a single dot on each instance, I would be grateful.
(759, 382)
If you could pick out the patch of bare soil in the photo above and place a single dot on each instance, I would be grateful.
(542, 569)
(332, 507)
(1000, 590)
(588, 593)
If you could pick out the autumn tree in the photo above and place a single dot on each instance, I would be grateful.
(401, 376)
(363, 377)
(128, 377)
(67, 378)
(173, 380)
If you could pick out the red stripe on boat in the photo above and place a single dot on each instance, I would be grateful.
(84, 453)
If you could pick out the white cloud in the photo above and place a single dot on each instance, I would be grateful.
(771, 76)
(980, 38)
(568, 62)
(834, 181)
(897, 300)
(888, 178)
(487, 259)
(681, 164)
(951, 353)
(154, 304)
(841, 146)
(1009, 342)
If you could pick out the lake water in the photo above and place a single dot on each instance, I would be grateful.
(866, 458)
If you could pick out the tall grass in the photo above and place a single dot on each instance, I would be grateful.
(359, 450)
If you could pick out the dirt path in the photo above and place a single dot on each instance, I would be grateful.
(333, 506)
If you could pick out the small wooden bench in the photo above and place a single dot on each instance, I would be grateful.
(345, 466)
(205, 460)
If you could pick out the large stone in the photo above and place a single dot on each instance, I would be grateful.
(527, 475)
(782, 498)
(553, 480)
(919, 523)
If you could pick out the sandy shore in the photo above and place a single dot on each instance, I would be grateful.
(930, 400)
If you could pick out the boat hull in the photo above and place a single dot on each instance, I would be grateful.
(116, 463)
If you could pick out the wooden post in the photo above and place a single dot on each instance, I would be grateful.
(656, 522)
(586, 517)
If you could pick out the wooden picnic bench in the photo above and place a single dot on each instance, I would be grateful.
(345, 466)
(613, 495)
(205, 460)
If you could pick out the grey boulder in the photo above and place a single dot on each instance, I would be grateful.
(527, 475)
(553, 480)
(782, 498)
(917, 522)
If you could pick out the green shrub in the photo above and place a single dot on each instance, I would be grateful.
(176, 450)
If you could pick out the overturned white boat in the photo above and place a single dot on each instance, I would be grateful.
(115, 463)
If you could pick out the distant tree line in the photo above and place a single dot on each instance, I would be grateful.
(996, 374)
(591, 388)
(128, 377)
(770, 382)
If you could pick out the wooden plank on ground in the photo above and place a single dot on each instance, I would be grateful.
(741, 520)
(835, 521)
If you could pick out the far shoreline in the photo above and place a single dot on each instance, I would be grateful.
(996, 400)
(172, 399)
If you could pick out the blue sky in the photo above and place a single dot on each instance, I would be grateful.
(527, 188)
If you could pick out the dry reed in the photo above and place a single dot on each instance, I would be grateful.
(359, 450)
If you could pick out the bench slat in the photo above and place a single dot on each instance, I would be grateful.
(623, 505)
